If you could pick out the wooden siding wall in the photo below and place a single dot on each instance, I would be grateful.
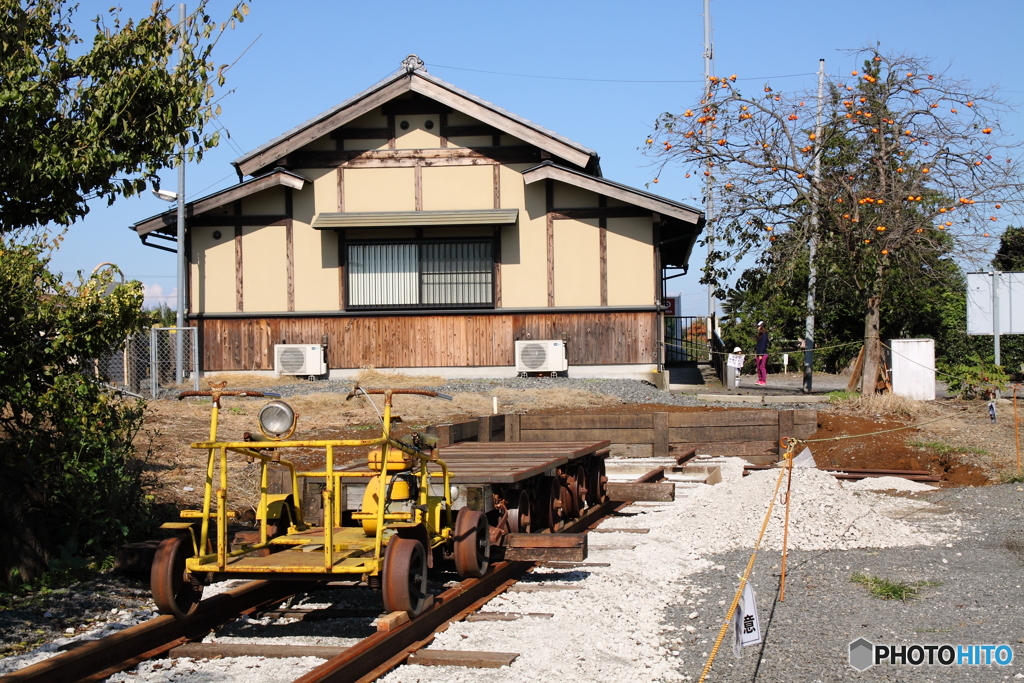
(429, 340)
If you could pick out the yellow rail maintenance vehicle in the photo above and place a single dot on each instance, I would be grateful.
(406, 513)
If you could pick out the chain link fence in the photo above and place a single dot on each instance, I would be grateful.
(148, 363)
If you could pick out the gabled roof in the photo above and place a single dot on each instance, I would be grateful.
(168, 219)
(608, 188)
(417, 81)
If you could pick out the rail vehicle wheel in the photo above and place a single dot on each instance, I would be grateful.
(472, 544)
(567, 497)
(596, 479)
(405, 576)
(173, 589)
(578, 487)
(520, 518)
(548, 508)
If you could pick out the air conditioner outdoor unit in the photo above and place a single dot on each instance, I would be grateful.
(541, 356)
(300, 359)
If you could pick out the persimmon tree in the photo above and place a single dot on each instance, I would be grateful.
(910, 162)
(99, 119)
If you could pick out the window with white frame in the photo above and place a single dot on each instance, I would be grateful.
(420, 274)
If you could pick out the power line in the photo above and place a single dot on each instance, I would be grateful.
(604, 80)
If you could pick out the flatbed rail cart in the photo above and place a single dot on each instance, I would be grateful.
(384, 520)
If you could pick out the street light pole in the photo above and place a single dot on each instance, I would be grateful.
(182, 260)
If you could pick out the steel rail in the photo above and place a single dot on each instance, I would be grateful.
(99, 659)
(374, 656)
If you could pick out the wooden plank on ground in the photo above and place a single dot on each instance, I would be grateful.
(467, 658)
(543, 554)
(507, 616)
(724, 418)
(588, 421)
(572, 565)
(730, 433)
(660, 438)
(212, 650)
(657, 492)
(512, 422)
(542, 588)
(605, 530)
(545, 541)
(613, 435)
(734, 448)
(786, 429)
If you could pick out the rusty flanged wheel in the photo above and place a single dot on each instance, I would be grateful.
(520, 518)
(596, 479)
(472, 544)
(566, 497)
(547, 510)
(405, 576)
(578, 487)
(174, 592)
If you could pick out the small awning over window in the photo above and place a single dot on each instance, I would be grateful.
(412, 219)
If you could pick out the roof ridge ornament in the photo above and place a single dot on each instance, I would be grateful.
(413, 63)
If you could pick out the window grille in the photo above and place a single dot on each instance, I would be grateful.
(425, 274)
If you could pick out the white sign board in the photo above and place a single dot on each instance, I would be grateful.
(747, 626)
(736, 360)
(1010, 294)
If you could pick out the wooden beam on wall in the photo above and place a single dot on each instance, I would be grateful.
(418, 186)
(604, 212)
(341, 269)
(391, 131)
(289, 238)
(602, 223)
(239, 300)
(341, 189)
(378, 158)
(549, 202)
(443, 127)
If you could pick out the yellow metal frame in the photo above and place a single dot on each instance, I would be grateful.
(359, 554)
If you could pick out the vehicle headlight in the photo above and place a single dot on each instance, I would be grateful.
(277, 420)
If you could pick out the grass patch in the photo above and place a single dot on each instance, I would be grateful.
(840, 396)
(946, 449)
(885, 589)
(1011, 478)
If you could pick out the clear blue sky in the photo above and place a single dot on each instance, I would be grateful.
(311, 55)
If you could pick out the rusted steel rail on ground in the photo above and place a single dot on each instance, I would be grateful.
(99, 659)
(374, 656)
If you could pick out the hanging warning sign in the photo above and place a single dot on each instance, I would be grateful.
(745, 622)
(736, 360)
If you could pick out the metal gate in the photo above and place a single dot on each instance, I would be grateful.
(686, 339)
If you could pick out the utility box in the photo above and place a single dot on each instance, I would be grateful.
(913, 368)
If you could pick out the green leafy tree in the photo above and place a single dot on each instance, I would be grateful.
(81, 123)
(82, 119)
(1010, 255)
(912, 163)
(70, 486)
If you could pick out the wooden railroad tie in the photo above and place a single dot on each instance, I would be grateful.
(467, 658)
(545, 547)
(507, 616)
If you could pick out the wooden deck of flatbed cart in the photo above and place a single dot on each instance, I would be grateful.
(509, 462)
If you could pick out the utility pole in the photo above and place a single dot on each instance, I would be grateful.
(709, 55)
(182, 256)
(812, 243)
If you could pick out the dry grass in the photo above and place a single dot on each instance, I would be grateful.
(372, 377)
(247, 380)
(887, 404)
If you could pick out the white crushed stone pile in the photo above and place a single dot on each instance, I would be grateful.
(823, 515)
(887, 484)
(615, 618)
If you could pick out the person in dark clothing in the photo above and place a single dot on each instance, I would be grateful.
(761, 354)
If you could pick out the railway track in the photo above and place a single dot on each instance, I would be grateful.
(365, 661)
